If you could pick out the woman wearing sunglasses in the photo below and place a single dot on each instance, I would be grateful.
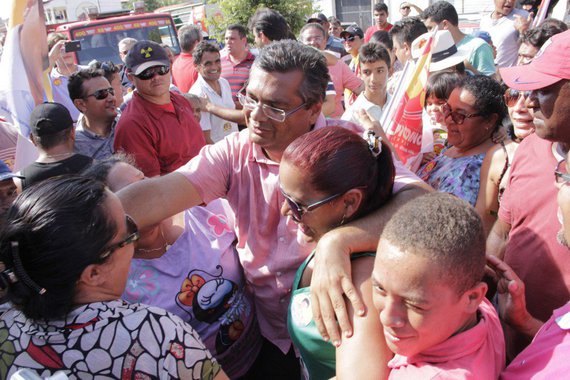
(473, 113)
(66, 250)
(496, 166)
(329, 177)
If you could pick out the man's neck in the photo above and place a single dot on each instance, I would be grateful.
(376, 97)
(160, 99)
(237, 58)
(215, 85)
(56, 153)
(97, 126)
(456, 34)
(66, 70)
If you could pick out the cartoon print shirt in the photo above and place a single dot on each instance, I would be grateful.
(200, 279)
(106, 340)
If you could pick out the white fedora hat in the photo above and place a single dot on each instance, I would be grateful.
(444, 53)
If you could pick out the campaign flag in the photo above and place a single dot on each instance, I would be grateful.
(405, 130)
(24, 67)
(541, 15)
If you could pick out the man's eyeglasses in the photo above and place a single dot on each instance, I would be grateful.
(132, 236)
(298, 210)
(348, 39)
(561, 173)
(273, 113)
(152, 71)
(102, 94)
(457, 117)
(512, 96)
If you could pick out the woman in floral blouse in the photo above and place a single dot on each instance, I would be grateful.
(66, 252)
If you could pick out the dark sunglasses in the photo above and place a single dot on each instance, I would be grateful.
(457, 117)
(560, 173)
(152, 71)
(405, 8)
(102, 94)
(512, 96)
(132, 236)
(348, 39)
(298, 210)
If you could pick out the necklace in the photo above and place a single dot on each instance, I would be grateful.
(164, 247)
(59, 155)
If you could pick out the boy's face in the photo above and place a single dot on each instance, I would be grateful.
(417, 309)
(374, 75)
(380, 18)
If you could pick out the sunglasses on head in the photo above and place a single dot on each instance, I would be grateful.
(102, 94)
(152, 71)
(512, 96)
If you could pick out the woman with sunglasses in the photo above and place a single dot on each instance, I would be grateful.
(496, 166)
(473, 113)
(65, 251)
(329, 177)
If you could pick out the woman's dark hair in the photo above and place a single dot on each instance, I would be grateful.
(440, 84)
(100, 169)
(488, 94)
(335, 160)
(60, 227)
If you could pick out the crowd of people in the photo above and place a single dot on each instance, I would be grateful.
(242, 213)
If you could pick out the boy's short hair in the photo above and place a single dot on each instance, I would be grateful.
(373, 52)
(447, 231)
(439, 11)
(379, 7)
(407, 30)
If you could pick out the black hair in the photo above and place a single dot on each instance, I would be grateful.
(271, 23)
(382, 37)
(488, 94)
(53, 139)
(441, 84)
(313, 25)
(75, 81)
(202, 48)
(538, 36)
(439, 11)
(109, 68)
(60, 227)
(100, 169)
(379, 7)
(242, 31)
(373, 52)
(287, 56)
(407, 30)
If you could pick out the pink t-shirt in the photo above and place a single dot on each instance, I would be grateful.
(342, 77)
(529, 206)
(478, 353)
(269, 251)
(545, 358)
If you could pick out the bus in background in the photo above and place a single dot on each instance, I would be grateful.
(99, 38)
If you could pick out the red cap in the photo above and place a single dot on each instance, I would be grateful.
(550, 65)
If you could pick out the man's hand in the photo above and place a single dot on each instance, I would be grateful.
(57, 52)
(512, 301)
(522, 24)
(331, 279)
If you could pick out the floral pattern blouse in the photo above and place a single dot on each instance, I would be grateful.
(105, 340)
(458, 176)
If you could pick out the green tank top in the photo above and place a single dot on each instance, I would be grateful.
(317, 356)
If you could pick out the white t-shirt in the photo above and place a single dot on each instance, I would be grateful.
(361, 102)
(504, 35)
(218, 127)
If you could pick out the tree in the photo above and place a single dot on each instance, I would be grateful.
(239, 12)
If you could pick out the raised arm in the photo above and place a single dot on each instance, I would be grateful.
(332, 276)
(150, 201)
(230, 114)
(487, 205)
(498, 238)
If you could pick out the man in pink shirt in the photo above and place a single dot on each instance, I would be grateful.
(428, 290)
(283, 100)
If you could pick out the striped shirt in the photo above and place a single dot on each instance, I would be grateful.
(236, 73)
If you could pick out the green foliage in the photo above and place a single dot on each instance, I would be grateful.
(151, 5)
(239, 12)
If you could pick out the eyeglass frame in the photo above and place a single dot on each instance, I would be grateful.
(250, 104)
(446, 111)
(131, 238)
(507, 96)
(299, 210)
(108, 90)
(559, 176)
(155, 72)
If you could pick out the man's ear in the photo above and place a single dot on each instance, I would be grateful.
(314, 112)
(80, 105)
(474, 296)
(131, 77)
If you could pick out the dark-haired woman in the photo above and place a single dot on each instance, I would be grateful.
(473, 113)
(67, 249)
(329, 177)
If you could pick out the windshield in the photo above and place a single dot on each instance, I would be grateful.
(100, 42)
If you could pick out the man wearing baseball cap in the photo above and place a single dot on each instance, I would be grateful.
(525, 233)
(53, 134)
(158, 126)
(8, 190)
(333, 44)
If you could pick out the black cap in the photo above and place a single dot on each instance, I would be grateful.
(49, 118)
(317, 17)
(145, 54)
(353, 30)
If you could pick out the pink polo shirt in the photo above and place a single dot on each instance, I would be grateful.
(268, 247)
(546, 357)
(478, 353)
(342, 77)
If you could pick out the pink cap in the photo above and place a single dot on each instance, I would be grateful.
(550, 65)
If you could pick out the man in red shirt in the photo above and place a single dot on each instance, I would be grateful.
(157, 127)
(184, 72)
(380, 21)
(238, 60)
